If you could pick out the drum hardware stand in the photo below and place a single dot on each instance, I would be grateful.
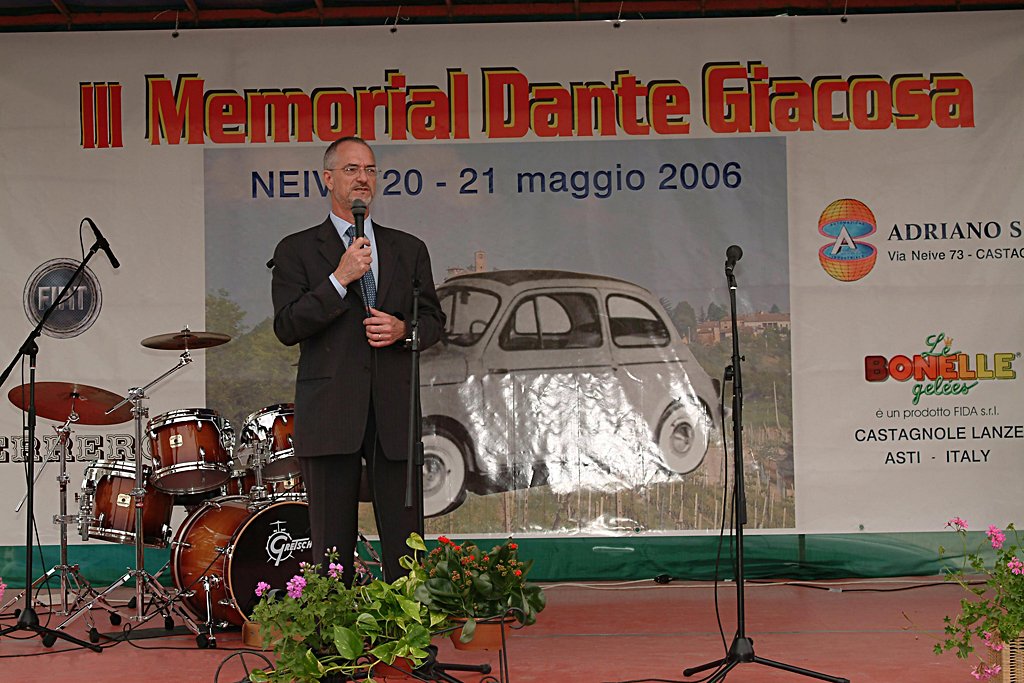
(144, 581)
(28, 619)
(742, 649)
(209, 638)
(258, 494)
(71, 579)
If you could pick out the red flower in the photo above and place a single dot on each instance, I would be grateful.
(513, 546)
(443, 540)
(518, 572)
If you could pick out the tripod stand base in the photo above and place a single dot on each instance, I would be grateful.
(742, 652)
(28, 620)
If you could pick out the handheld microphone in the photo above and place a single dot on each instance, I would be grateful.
(359, 213)
(103, 244)
(732, 255)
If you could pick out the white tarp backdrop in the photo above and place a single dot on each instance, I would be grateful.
(882, 336)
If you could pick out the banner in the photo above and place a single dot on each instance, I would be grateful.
(577, 196)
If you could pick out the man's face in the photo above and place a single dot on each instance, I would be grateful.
(344, 187)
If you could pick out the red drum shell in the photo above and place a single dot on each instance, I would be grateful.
(271, 428)
(190, 449)
(241, 546)
(107, 489)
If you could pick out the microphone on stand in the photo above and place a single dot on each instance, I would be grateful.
(102, 243)
(732, 255)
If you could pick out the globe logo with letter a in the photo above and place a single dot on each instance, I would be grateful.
(845, 221)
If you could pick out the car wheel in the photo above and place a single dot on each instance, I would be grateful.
(444, 474)
(683, 435)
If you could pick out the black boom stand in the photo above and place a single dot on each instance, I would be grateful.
(742, 649)
(28, 620)
(432, 670)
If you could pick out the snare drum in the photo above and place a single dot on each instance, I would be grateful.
(191, 450)
(107, 505)
(270, 430)
(241, 546)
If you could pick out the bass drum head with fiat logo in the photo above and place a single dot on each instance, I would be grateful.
(239, 546)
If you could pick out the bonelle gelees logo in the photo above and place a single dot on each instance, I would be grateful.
(941, 370)
(845, 221)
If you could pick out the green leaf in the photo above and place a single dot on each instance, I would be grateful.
(410, 607)
(347, 642)
(364, 619)
(386, 652)
(415, 541)
(258, 676)
(468, 629)
(308, 666)
(483, 585)
(417, 636)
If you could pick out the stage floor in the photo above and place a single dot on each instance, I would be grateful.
(869, 631)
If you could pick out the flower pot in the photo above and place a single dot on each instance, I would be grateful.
(1013, 661)
(486, 637)
(399, 671)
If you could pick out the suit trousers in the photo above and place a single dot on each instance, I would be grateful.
(333, 485)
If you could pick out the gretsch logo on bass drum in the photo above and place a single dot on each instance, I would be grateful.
(281, 546)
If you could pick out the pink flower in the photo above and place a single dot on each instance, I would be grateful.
(996, 536)
(261, 588)
(1015, 566)
(295, 586)
(957, 524)
(991, 643)
(334, 570)
(983, 671)
(3, 587)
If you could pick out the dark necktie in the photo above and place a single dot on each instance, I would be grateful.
(367, 283)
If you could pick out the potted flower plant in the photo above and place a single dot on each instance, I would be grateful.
(468, 583)
(992, 615)
(323, 630)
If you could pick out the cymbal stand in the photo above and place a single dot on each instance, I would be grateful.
(71, 579)
(144, 581)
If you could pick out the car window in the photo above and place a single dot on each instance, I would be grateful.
(633, 323)
(559, 320)
(469, 313)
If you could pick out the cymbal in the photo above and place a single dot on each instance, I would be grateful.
(57, 400)
(186, 339)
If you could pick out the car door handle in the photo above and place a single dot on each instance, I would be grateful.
(498, 371)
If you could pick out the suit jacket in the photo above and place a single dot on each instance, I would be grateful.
(338, 374)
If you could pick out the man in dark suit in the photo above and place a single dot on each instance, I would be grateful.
(348, 304)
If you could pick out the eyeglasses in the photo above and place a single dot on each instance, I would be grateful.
(353, 170)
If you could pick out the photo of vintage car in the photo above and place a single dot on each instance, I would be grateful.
(557, 378)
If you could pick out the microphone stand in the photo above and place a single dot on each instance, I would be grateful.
(742, 649)
(414, 463)
(28, 620)
(435, 670)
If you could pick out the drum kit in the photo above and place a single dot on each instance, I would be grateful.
(246, 516)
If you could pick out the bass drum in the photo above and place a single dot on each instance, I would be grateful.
(239, 546)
